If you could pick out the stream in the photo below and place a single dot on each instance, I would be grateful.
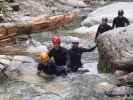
(27, 85)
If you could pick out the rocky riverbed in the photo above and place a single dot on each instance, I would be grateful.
(24, 84)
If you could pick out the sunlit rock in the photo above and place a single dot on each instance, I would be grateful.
(116, 49)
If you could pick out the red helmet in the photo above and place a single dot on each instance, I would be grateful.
(56, 39)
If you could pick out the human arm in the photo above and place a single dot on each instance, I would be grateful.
(127, 21)
(87, 49)
(114, 21)
(68, 58)
(98, 32)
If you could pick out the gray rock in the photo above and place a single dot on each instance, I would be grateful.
(116, 48)
(120, 91)
(15, 6)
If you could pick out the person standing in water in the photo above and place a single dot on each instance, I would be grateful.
(60, 56)
(75, 53)
(103, 27)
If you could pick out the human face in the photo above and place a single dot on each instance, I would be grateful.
(104, 21)
(75, 45)
(56, 46)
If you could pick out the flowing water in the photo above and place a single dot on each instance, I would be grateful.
(27, 85)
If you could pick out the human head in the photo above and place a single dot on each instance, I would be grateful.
(43, 57)
(75, 41)
(104, 20)
(120, 12)
(56, 41)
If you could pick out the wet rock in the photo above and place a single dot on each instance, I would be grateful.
(84, 85)
(75, 3)
(111, 90)
(120, 91)
(103, 87)
(115, 49)
(119, 73)
(126, 79)
(89, 32)
(10, 1)
(15, 6)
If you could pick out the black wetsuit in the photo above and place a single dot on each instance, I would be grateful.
(48, 69)
(61, 58)
(120, 22)
(102, 28)
(75, 57)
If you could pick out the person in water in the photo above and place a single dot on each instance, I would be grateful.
(60, 56)
(103, 27)
(75, 53)
(46, 65)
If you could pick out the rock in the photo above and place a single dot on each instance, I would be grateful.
(128, 78)
(37, 49)
(85, 87)
(74, 3)
(116, 49)
(119, 73)
(120, 91)
(90, 32)
(82, 70)
(112, 90)
(109, 12)
(103, 87)
(15, 6)
(10, 1)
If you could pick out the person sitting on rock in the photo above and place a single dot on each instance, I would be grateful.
(103, 27)
(59, 55)
(75, 55)
(45, 65)
(120, 20)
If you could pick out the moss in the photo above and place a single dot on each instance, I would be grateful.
(104, 67)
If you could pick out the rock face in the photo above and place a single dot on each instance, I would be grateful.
(116, 49)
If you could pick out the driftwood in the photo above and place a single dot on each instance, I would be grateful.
(37, 24)
(8, 31)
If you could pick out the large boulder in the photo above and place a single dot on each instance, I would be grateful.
(116, 49)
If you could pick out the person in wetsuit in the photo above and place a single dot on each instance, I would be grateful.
(103, 27)
(45, 65)
(60, 56)
(75, 55)
(120, 20)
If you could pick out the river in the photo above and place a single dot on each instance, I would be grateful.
(27, 85)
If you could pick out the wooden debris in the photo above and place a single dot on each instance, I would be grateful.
(8, 31)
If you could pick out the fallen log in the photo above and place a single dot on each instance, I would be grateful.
(35, 24)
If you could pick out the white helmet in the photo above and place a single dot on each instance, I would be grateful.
(75, 40)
